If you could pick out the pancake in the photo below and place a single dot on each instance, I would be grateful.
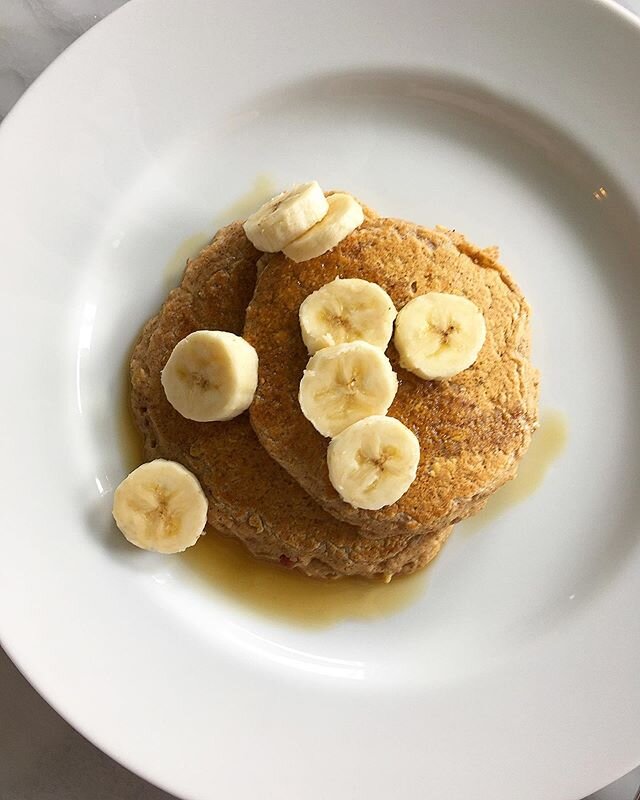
(250, 496)
(472, 428)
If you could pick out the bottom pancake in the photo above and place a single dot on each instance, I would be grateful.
(250, 495)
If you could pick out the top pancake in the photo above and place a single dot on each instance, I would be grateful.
(472, 428)
(249, 495)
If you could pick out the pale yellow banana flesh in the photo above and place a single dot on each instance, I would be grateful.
(345, 383)
(160, 506)
(211, 376)
(345, 214)
(373, 462)
(346, 310)
(438, 335)
(286, 217)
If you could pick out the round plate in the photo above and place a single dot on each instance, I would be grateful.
(512, 670)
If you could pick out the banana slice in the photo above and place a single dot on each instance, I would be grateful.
(211, 376)
(345, 310)
(160, 506)
(342, 218)
(438, 335)
(373, 462)
(286, 217)
(345, 383)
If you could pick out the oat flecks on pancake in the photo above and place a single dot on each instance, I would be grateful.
(249, 495)
(473, 428)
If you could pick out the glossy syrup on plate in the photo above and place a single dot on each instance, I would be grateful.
(288, 595)
(269, 588)
(263, 189)
(274, 591)
(225, 565)
(547, 444)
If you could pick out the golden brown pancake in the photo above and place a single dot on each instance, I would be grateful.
(472, 428)
(249, 495)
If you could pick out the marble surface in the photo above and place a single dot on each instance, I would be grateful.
(41, 756)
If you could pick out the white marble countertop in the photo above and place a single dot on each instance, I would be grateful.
(41, 756)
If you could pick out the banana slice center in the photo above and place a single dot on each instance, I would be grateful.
(439, 334)
(344, 383)
(345, 318)
(162, 515)
(338, 320)
(371, 466)
(448, 335)
(352, 395)
(154, 504)
(198, 380)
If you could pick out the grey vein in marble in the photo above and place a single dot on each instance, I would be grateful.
(34, 32)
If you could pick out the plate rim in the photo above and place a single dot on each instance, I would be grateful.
(12, 647)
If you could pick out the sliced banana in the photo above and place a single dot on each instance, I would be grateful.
(345, 214)
(345, 383)
(160, 506)
(438, 335)
(345, 310)
(286, 217)
(373, 462)
(211, 376)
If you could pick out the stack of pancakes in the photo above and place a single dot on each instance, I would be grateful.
(264, 472)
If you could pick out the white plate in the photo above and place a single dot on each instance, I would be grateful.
(513, 672)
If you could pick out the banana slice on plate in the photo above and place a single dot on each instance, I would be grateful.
(438, 335)
(373, 462)
(286, 217)
(345, 214)
(160, 506)
(211, 376)
(345, 310)
(345, 383)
